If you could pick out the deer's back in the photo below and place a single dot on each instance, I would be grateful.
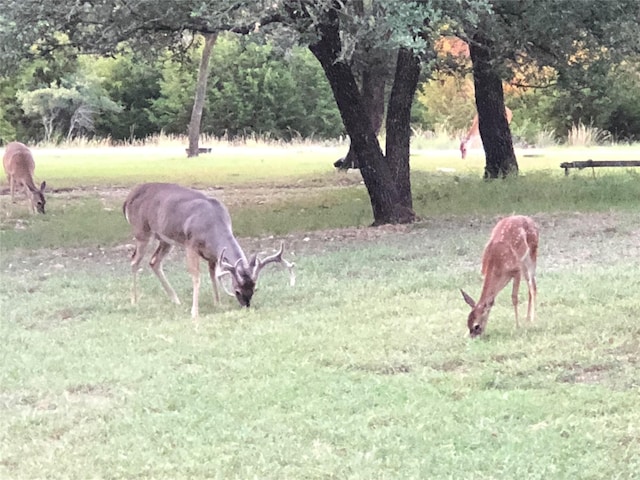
(18, 161)
(173, 211)
(511, 239)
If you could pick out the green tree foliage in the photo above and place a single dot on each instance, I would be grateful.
(446, 101)
(10, 112)
(27, 76)
(590, 43)
(68, 109)
(609, 100)
(254, 88)
(171, 110)
(589, 52)
(133, 83)
(50, 105)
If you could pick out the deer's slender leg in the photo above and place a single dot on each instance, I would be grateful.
(533, 291)
(529, 272)
(193, 265)
(30, 199)
(214, 282)
(514, 296)
(156, 266)
(12, 187)
(136, 258)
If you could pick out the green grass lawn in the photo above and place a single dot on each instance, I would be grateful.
(363, 370)
(274, 191)
(126, 166)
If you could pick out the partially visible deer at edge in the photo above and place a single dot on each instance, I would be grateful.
(178, 215)
(473, 135)
(510, 254)
(19, 166)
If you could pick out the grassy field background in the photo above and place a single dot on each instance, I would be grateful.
(363, 369)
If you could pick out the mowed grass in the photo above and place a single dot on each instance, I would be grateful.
(362, 370)
(274, 191)
(126, 166)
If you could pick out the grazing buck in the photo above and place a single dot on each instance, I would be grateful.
(178, 215)
(510, 254)
(19, 166)
(473, 135)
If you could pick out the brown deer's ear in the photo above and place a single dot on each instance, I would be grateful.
(43, 186)
(470, 301)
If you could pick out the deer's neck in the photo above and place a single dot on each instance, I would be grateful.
(227, 242)
(28, 181)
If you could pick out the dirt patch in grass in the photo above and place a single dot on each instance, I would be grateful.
(610, 375)
(453, 365)
(253, 193)
(383, 368)
(589, 374)
(564, 242)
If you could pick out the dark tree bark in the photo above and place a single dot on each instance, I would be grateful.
(399, 122)
(373, 83)
(386, 201)
(201, 94)
(492, 122)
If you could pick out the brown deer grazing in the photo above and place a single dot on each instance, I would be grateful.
(473, 135)
(19, 166)
(178, 215)
(510, 254)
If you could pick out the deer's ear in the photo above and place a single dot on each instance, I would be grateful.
(43, 185)
(470, 301)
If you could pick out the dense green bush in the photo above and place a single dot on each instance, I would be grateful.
(252, 89)
(133, 83)
(255, 89)
(171, 111)
(606, 98)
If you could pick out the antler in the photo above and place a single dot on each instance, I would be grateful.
(276, 257)
(224, 268)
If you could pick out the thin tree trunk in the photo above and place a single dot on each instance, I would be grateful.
(377, 176)
(201, 94)
(492, 121)
(399, 122)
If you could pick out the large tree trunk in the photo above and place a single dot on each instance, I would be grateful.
(373, 83)
(201, 94)
(378, 177)
(404, 87)
(492, 122)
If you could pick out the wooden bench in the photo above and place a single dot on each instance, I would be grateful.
(598, 163)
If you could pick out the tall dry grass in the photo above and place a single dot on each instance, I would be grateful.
(581, 135)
